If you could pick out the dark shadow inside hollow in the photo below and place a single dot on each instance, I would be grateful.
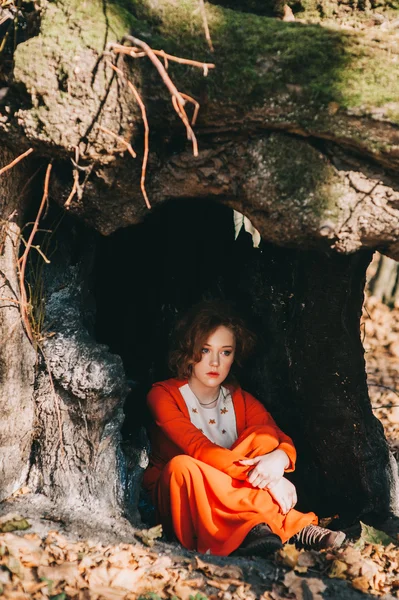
(149, 274)
(308, 368)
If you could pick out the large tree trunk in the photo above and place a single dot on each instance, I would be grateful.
(318, 387)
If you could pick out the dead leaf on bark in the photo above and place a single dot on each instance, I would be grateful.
(304, 587)
(231, 571)
(13, 522)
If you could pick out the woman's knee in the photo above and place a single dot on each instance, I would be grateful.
(180, 464)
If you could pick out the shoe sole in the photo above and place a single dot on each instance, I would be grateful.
(261, 547)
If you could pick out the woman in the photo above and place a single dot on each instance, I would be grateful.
(218, 459)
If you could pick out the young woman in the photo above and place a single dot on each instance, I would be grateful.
(216, 472)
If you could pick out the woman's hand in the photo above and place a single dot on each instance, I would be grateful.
(268, 469)
(284, 493)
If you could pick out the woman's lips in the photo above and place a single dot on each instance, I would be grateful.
(213, 374)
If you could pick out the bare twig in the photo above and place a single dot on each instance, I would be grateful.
(196, 107)
(74, 188)
(16, 161)
(177, 99)
(206, 26)
(135, 53)
(120, 139)
(23, 260)
(146, 132)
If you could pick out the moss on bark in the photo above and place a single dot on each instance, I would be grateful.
(303, 78)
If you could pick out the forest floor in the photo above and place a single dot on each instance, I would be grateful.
(53, 561)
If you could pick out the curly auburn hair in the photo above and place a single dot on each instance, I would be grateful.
(193, 330)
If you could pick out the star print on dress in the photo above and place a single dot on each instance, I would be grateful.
(194, 410)
(223, 431)
(223, 411)
(212, 422)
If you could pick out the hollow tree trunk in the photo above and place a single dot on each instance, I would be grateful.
(80, 389)
(17, 357)
(311, 374)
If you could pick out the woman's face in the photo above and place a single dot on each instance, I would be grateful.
(217, 358)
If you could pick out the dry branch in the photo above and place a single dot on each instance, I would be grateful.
(24, 258)
(135, 53)
(178, 100)
(15, 161)
(120, 139)
(146, 132)
(74, 189)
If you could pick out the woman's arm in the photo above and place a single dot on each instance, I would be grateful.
(256, 414)
(179, 429)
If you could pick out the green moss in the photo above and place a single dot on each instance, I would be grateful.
(259, 59)
(302, 175)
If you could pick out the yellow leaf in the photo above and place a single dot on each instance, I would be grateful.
(148, 536)
(338, 569)
(290, 555)
(361, 583)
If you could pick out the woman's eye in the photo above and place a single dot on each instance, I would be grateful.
(226, 352)
(204, 350)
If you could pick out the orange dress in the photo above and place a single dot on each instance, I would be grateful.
(199, 488)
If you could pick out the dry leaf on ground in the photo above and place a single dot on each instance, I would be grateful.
(304, 587)
(148, 536)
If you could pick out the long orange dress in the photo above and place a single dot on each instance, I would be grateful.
(199, 488)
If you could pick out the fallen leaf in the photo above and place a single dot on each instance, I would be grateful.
(304, 587)
(148, 536)
(220, 585)
(67, 572)
(125, 578)
(305, 560)
(231, 571)
(370, 535)
(13, 522)
(106, 593)
(361, 583)
(290, 554)
(15, 566)
(99, 576)
(338, 569)
(28, 551)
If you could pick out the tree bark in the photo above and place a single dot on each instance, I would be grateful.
(80, 389)
(311, 373)
(17, 357)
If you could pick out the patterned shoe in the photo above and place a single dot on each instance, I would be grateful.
(318, 538)
(260, 541)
